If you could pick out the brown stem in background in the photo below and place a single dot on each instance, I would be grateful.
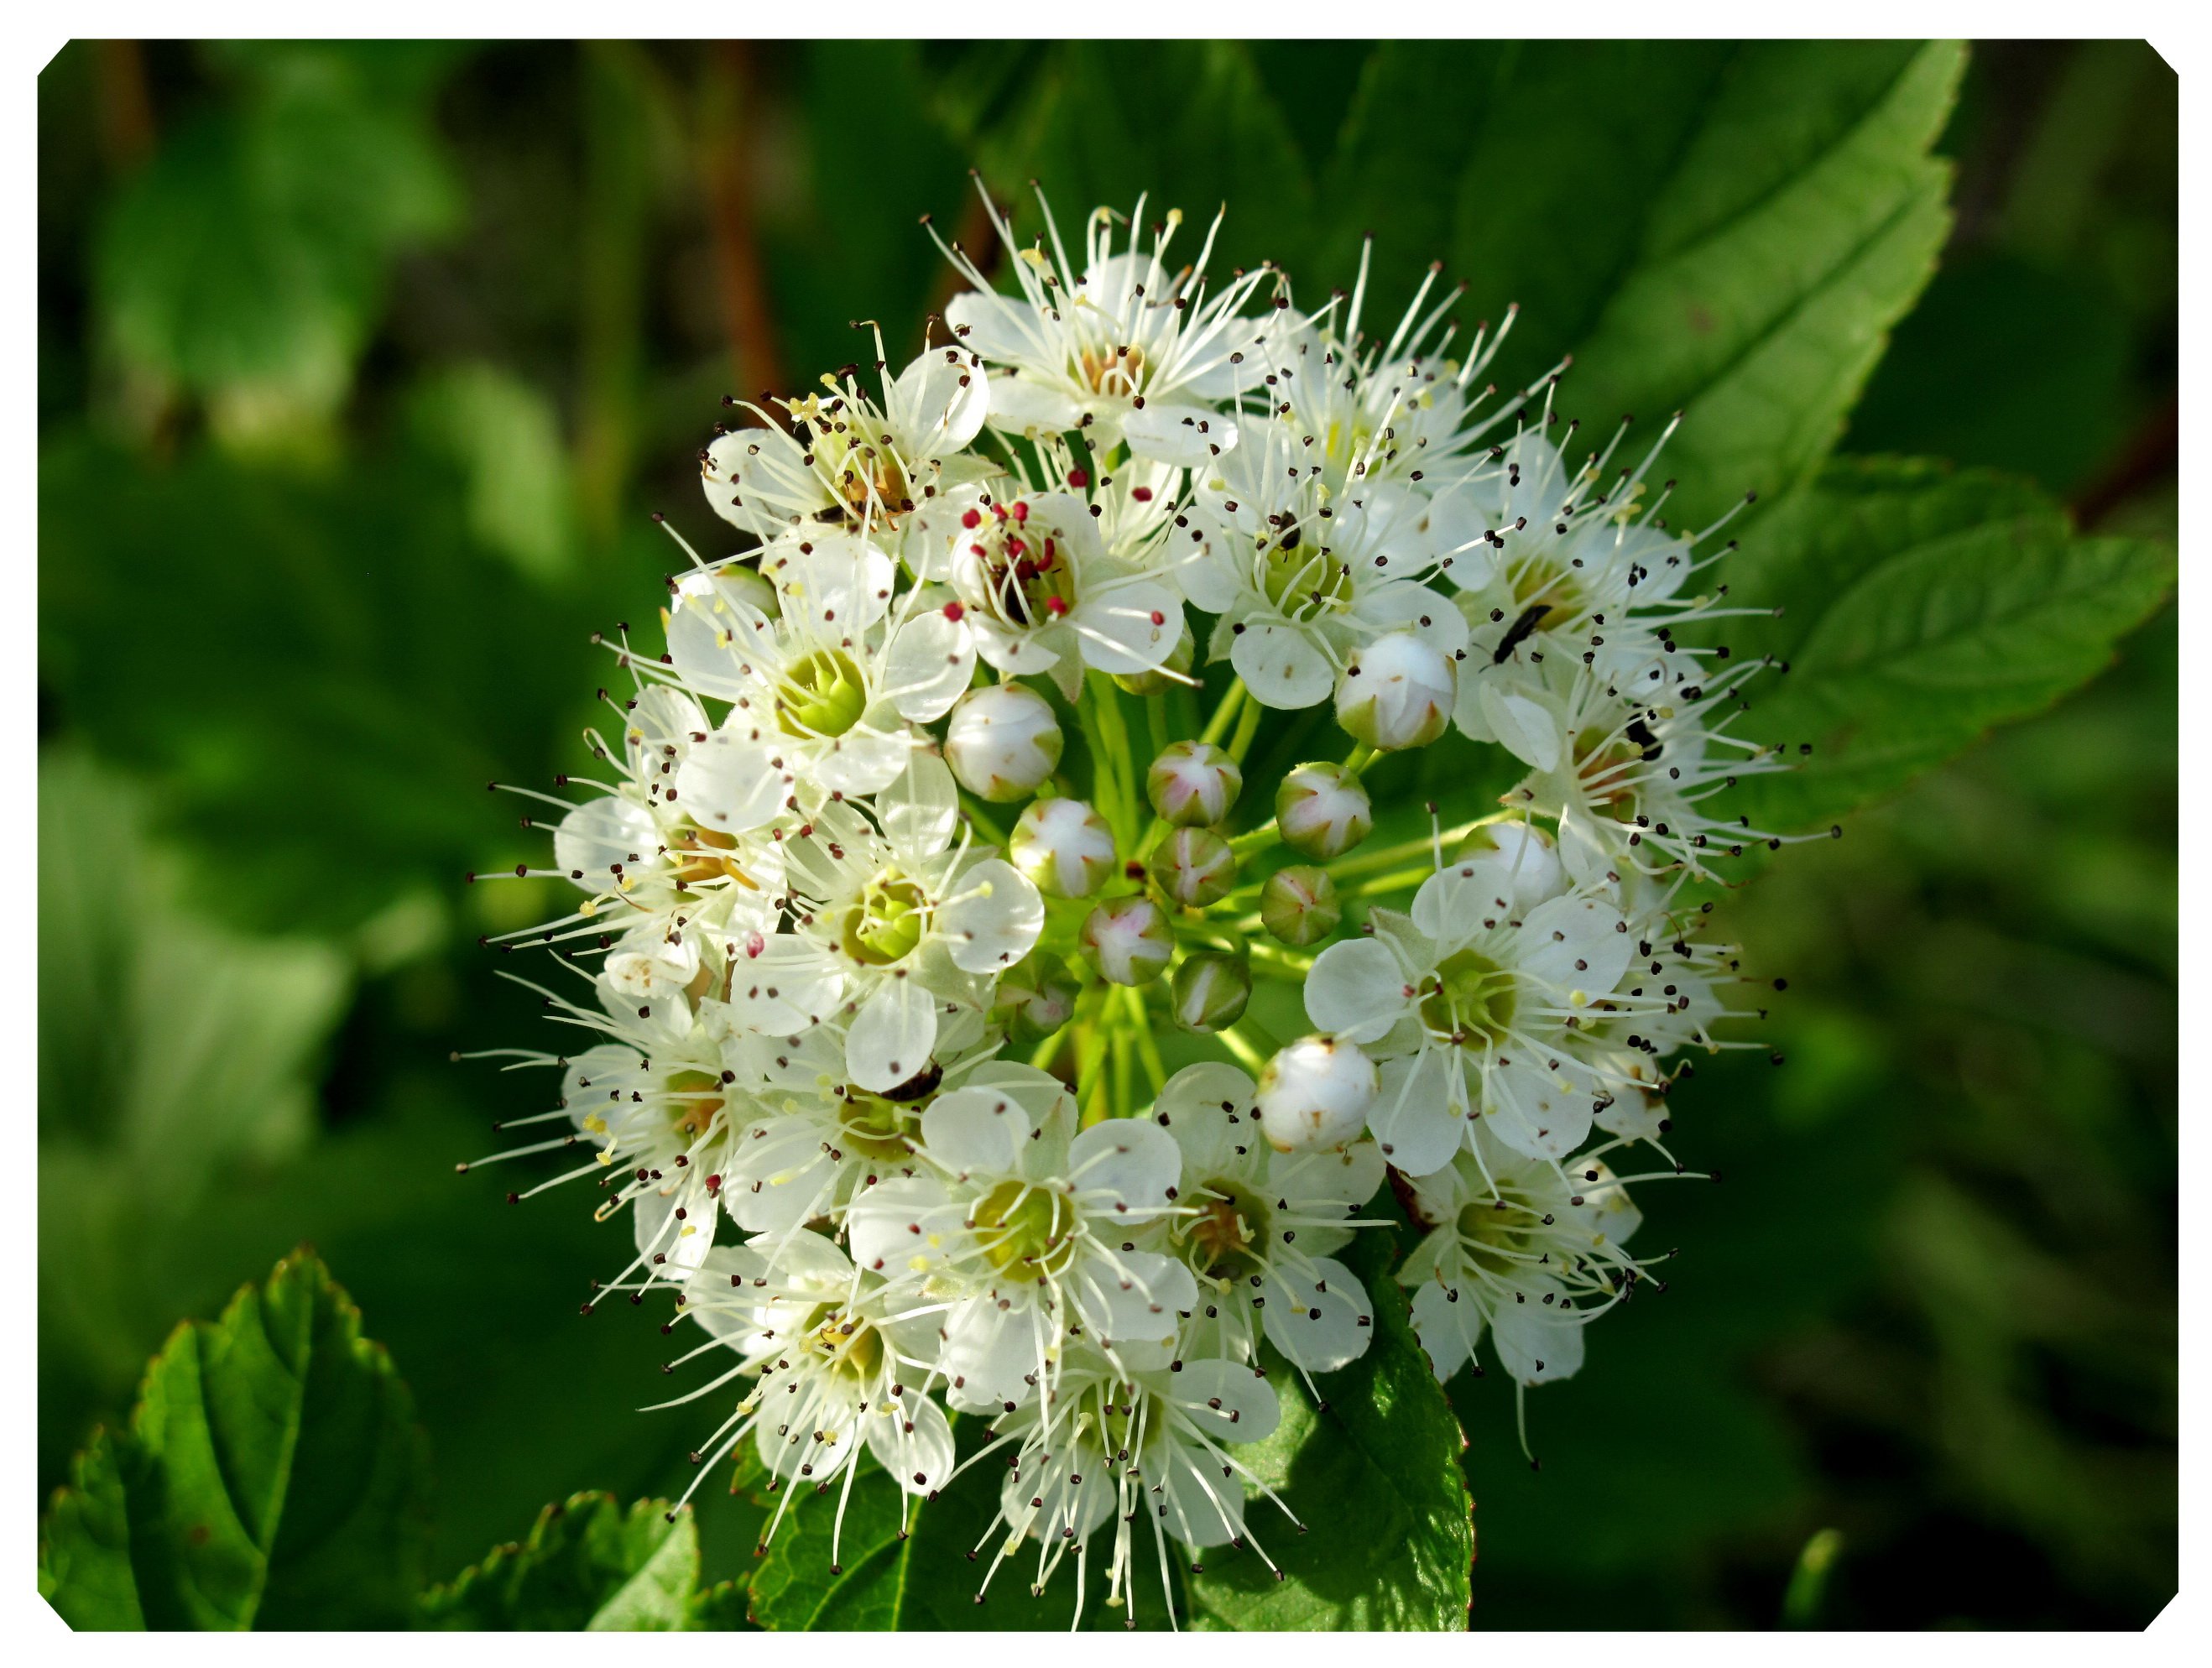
(726, 167)
(125, 106)
(2152, 453)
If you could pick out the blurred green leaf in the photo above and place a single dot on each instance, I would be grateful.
(246, 262)
(173, 1046)
(1922, 608)
(506, 438)
(272, 1477)
(587, 1564)
(1371, 1470)
(355, 683)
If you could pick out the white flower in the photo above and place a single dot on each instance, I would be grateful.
(1314, 1094)
(1398, 410)
(1635, 772)
(1518, 1247)
(894, 920)
(892, 467)
(1003, 741)
(1300, 578)
(669, 893)
(1152, 1447)
(1259, 1227)
(1477, 1002)
(1125, 344)
(1038, 593)
(822, 696)
(1024, 1239)
(816, 1138)
(841, 1364)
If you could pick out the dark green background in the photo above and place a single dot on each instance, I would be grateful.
(360, 369)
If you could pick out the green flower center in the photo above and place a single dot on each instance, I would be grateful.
(887, 923)
(847, 1345)
(1026, 1232)
(1301, 577)
(1498, 1234)
(821, 695)
(695, 1098)
(1470, 998)
(1223, 1239)
(1541, 578)
(874, 1127)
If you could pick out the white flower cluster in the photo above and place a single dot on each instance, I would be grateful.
(879, 1085)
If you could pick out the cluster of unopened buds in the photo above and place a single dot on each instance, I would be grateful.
(876, 971)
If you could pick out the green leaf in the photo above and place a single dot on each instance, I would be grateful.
(587, 1564)
(1372, 1470)
(272, 1477)
(248, 261)
(1776, 238)
(1920, 607)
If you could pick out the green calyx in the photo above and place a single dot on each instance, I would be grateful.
(1300, 575)
(1025, 1232)
(821, 693)
(887, 923)
(1469, 998)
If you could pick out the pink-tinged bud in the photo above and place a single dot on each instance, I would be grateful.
(1192, 783)
(1298, 904)
(1196, 867)
(1064, 847)
(1322, 810)
(1127, 941)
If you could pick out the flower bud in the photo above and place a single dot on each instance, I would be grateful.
(1314, 1094)
(1128, 940)
(1298, 904)
(1002, 741)
(1397, 692)
(1064, 847)
(1192, 783)
(1155, 681)
(1196, 867)
(1211, 989)
(1323, 810)
(1035, 998)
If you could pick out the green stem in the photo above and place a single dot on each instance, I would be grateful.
(1217, 725)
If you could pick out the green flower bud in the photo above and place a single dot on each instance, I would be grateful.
(1211, 989)
(1298, 904)
(1196, 867)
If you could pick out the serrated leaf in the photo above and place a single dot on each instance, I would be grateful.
(1373, 1472)
(1803, 219)
(272, 1477)
(1920, 607)
(816, 1576)
(587, 1564)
